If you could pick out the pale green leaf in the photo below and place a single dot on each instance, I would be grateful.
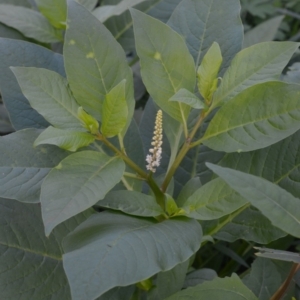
(263, 32)
(256, 118)
(76, 184)
(161, 66)
(274, 202)
(55, 11)
(185, 96)
(227, 288)
(132, 203)
(114, 111)
(29, 22)
(94, 61)
(23, 167)
(259, 63)
(48, 93)
(31, 264)
(212, 201)
(65, 139)
(116, 243)
(208, 70)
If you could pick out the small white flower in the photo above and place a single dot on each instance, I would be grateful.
(154, 158)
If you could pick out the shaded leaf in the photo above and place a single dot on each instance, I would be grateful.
(199, 276)
(119, 238)
(77, 183)
(190, 188)
(278, 254)
(88, 4)
(185, 96)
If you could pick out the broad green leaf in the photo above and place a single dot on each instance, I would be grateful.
(203, 22)
(94, 62)
(274, 202)
(263, 32)
(157, 56)
(259, 63)
(208, 70)
(199, 276)
(185, 96)
(23, 167)
(19, 53)
(25, 3)
(88, 4)
(249, 225)
(263, 279)
(31, 264)
(278, 254)
(124, 293)
(117, 238)
(77, 183)
(29, 22)
(264, 120)
(114, 111)
(132, 203)
(65, 139)
(169, 282)
(190, 188)
(55, 11)
(48, 93)
(212, 201)
(227, 288)
(10, 33)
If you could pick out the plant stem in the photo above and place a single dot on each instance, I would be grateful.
(134, 176)
(126, 184)
(282, 289)
(185, 148)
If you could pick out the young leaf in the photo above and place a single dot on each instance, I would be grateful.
(65, 139)
(274, 202)
(87, 121)
(23, 167)
(208, 70)
(55, 11)
(76, 184)
(203, 22)
(161, 66)
(132, 203)
(114, 111)
(259, 63)
(212, 201)
(95, 63)
(270, 113)
(48, 93)
(227, 288)
(118, 238)
(19, 53)
(185, 96)
(31, 23)
(25, 249)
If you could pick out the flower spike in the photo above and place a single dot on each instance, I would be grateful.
(153, 159)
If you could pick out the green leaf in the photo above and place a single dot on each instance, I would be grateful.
(23, 167)
(20, 53)
(55, 11)
(94, 61)
(203, 22)
(87, 121)
(208, 70)
(65, 139)
(31, 264)
(263, 32)
(10, 33)
(169, 282)
(88, 4)
(115, 239)
(265, 119)
(227, 288)
(278, 254)
(77, 183)
(199, 276)
(190, 188)
(48, 93)
(249, 225)
(263, 279)
(274, 202)
(132, 203)
(157, 56)
(212, 201)
(114, 111)
(185, 96)
(259, 63)
(29, 22)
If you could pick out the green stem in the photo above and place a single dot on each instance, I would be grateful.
(134, 176)
(126, 184)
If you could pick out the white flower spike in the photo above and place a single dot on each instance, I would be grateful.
(153, 159)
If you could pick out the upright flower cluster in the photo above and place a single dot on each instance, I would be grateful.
(153, 159)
